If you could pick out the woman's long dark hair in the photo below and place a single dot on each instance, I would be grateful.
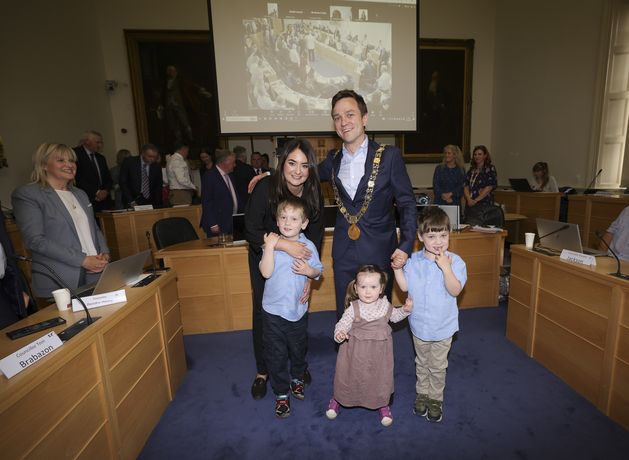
(311, 194)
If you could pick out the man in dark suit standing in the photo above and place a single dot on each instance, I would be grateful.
(243, 173)
(141, 178)
(257, 163)
(368, 180)
(218, 195)
(92, 172)
(13, 298)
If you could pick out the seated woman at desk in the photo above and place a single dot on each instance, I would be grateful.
(449, 177)
(480, 183)
(542, 181)
(57, 223)
(296, 175)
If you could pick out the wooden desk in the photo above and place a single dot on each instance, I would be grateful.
(575, 321)
(594, 212)
(101, 394)
(215, 289)
(531, 205)
(125, 232)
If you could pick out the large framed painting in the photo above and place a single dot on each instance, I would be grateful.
(444, 84)
(173, 84)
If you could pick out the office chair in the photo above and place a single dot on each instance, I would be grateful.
(173, 230)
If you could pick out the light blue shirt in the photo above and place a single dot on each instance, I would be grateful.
(284, 288)
(352, 167)
(620, 229)
(435, 314)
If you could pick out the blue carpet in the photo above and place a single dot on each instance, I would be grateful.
(499, 404)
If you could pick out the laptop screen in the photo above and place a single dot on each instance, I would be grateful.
(558, 235)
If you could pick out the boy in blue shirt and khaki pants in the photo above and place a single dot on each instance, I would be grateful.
(433, 277)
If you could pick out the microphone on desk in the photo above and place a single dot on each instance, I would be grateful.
(618, 273)
(77, 327)
(589, 190)
(557, 230)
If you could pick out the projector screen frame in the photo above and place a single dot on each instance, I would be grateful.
(317, 130)
(442, 50)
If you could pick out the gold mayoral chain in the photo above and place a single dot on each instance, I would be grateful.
(353, 231)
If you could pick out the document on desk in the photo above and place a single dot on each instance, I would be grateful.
(30, 354)
(478, 228)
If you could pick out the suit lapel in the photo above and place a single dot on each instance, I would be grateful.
(339, 185)
(55, 199)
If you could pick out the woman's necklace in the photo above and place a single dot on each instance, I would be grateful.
(71, 203)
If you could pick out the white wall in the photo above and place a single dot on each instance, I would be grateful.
(546, 64)
(52, 82)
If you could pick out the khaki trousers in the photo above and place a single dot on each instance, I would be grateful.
(431, 362)
(179, 196)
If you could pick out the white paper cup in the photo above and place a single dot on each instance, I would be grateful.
(530, 240)
(62, 299)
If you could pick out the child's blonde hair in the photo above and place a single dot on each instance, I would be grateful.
(350, 292)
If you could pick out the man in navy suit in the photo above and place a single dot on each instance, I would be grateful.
(141, 178)
(92, 172)
(370, 182)
(218, 195)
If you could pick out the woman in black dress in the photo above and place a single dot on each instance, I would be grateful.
(296, 175)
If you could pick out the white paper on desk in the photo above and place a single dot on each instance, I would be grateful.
(478, 228)
(100, 300)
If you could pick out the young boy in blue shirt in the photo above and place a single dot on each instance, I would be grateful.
(433, 277)
(285, 320)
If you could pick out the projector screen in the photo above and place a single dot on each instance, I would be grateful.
(279, 63)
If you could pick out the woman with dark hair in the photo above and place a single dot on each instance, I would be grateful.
(296, 175)
(206, 161)
(480, 183)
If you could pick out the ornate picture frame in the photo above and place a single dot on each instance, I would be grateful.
(444, 85)
(159, 121)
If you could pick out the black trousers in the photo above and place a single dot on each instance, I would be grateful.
(285, 344)
(257, 290)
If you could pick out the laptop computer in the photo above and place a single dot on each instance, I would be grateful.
(557, 236)
(451, 210)
(521, 185)
(116, 275)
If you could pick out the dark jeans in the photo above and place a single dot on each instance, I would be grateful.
(284, 341)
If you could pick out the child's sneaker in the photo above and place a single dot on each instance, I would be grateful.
(282, 406)
(333, 409)
(434, 411)
(297, 389)
(421, 405)
(386, 418)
